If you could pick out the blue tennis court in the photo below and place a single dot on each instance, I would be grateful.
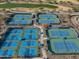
(47, 15)
(48, 19)
(20, 42)
(32, 43)
(29, 52)
(22, 52)
(20, 19)
(10, 44)
(1, 53)
(33, 52)
(65, 46)
(60, 47)
(19, 34)
(62, 33)
(7, 53)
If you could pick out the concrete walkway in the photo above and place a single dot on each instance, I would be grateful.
(43, 49)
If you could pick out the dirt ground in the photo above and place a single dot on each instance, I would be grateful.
(64, 57)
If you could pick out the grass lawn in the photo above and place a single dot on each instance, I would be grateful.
(14, 5)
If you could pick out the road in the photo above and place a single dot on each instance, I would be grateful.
(68, 13)
(75, 23)
(73, 13)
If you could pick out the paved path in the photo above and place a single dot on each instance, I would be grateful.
(75, 23)
(42, 41)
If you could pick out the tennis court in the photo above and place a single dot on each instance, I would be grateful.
(48, 19)
(20, 43)
(20, 19)
(60, 46)
(62, 33)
